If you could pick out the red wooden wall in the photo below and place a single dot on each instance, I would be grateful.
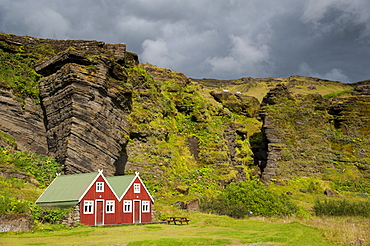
(128, 218)
(92, 195)
(119, 216)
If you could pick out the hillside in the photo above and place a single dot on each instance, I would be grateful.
(92, 105)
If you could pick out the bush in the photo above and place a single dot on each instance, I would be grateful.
(44, 215)
(342, 208)
(49, 215)
(12, 206)
(43, 168)
(220, 206)
(239, 198)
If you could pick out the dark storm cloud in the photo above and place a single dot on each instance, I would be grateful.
(214, 38)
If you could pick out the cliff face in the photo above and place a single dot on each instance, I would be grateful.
(81, 115)
(92, 106)
(23, 122)
(311, 135)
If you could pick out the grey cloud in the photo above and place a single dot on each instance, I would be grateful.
(213, 38)
(336, 16)
(244, 57)
(334, 74)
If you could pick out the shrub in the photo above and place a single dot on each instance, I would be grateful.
(13, 206)
(342, 208)
(49, 215)
(239, 198)
(220, 206)
(43, 168)
(10, 205)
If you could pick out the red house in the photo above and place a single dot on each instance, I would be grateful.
(100, 201)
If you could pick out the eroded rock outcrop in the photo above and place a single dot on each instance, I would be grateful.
(237, 103)
(24, 122)
(81, 116)
(85, 118)
(269, 152)
(312, 135)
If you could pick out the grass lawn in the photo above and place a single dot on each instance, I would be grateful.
(203, 229)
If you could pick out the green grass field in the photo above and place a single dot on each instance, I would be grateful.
(203, 229)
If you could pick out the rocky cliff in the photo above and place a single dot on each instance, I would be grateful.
(79, 111)
(93, 106)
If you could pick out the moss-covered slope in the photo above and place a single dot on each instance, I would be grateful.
(100, 108)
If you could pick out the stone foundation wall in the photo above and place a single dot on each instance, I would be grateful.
(73, 218)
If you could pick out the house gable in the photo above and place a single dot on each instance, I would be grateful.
(99, 178)
(123, 184)
(99, 204)
(138, 179)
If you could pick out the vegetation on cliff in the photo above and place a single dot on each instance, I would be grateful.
(189, 138)
(17, 68)
(183, 134)
(23, 177)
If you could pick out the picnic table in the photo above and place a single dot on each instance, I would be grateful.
(177, 219)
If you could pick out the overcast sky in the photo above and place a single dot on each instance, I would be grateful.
(224, 39)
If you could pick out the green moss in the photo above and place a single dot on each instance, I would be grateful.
(17, 74)
(39, 52)
(337, 93)
(311, 143)
(8, 139)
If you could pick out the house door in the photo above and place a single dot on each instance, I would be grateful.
(137, 211)
(99, 213)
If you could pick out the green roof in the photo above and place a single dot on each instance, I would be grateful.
(58, 204)
(120, 184)
(66, 190)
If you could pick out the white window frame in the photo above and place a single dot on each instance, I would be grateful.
(88, 207)
(145, 206)
(136, 188)
(99, 186)
(127, 206)
(109, 206)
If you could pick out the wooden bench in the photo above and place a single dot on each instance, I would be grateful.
(178, 220)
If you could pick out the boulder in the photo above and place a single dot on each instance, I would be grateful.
(237, 103)
(329, 192)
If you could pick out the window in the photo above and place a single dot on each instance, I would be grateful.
(88, 207)
(145, 207)
(99, 186)
(110, 207)
(127, 206)
(136, 188)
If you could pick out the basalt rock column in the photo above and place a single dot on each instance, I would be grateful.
(84, 115)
